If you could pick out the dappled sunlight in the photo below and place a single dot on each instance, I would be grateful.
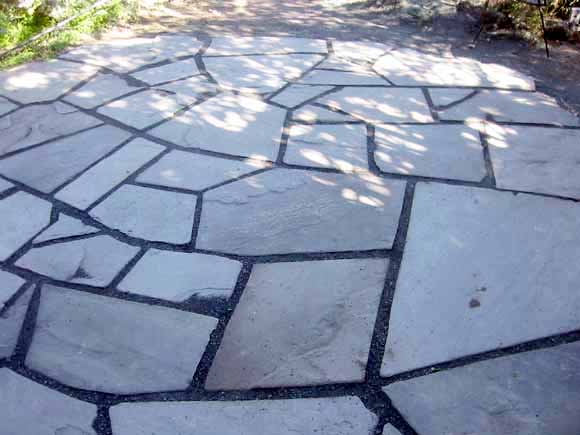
(237, 45)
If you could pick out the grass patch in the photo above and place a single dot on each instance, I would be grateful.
(18, 25)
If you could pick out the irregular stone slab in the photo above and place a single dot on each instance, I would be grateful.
(536, 159)
(5, 185)
(338, 146)
(477, 297)
(501, 396)
(65, 226)
(270, 343)
(295, 94)
(145, 108)
(190, 90)
(327, 416)
(381, 104)
(259, 73)
(9, 285)
(28, 408)
(124, 55)
(176, 276)
(59, 161)
(108, 173)
(42, 81)
(149, 214)
(348, 64)
(439, 151)
(104, 344)
(342, 78)
(6, 106)
(22, 216)
(99, 90)
(196, 171)
(36, 124)
(11, 320)
(357, 51)
(283, 211)
(503, 106)
(408, 67)
(228, 124)
(231, 45)
(165, 73)
(94, 261)
(390, 430)
(311, 113)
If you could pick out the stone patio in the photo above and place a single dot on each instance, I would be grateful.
(264, 235)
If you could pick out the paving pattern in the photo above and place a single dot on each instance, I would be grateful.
(280, 235)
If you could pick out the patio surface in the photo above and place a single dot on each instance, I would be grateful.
(260, 235)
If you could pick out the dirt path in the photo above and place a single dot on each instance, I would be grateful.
(557, 76)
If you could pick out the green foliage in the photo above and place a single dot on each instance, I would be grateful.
(18, 25)
(562, 8)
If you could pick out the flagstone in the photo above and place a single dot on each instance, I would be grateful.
(169, 72)
(36, 124)
(501, 396)
(536, 159)
(505, 262)
(43, 81)
(343, 78)
(22, 216)
(65, 226)
(439, 151)
(149, 214)
(94, 261)
(341, 147)
(6, 106)
(176, 276)
(99, 343)
(190, 90)
(229, 124)
(357, 50)
(5, 185)
(381, 104)
(99, 90)
(285, 211)
(296, 94)
(29, 408)
(237, 45)
(313, 113)
(11, 321)
(196, 172)
(9, 285)
(61, 160)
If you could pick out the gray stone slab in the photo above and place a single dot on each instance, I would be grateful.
(296, 94)
(486, 270)
(65, 226)
(269, 342)
(410, 67)
(94, 261)
(9, 285)
(536, 159)
(190, 90)
(196, 171)
(149, 214)
(259, 73)
(165, 73)
(389, 429)
(381, 104)
(231, 45)
(5, 185)
(346, 64)
(145, 108)
(103, 344)
(440, 151)
(230, 124)
(503, 106)
(6, 106)
(22, 216)
(11, 320)
(35, 124)
(99, 90)
(176, 276)
(343, 78)
(283, 211)
(357, 51)
(128, 54)
(42, 81)
(338, 146)
(108, 173)
(311, 113)
(327, 416)
(536, 393)
(48, 167)
(28, 408)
